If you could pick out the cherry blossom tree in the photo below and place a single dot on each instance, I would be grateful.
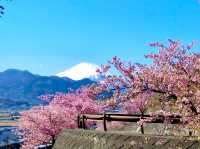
(42, 124)
(173, 77)
(82, 101)
(138, 105)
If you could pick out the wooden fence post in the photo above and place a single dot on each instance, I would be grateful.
(190, 132)
(78, 121)
(142, 129)
(83, 122)
(104, 121)
(142, 126)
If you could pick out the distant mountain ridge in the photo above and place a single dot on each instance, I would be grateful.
(23, 86)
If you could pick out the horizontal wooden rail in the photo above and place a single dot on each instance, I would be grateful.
(174, 119)
(136, 115)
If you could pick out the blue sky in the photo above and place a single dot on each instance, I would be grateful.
(48, 36)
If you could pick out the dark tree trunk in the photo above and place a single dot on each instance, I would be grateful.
(53, 140)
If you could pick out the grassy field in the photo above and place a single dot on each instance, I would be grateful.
(8, 123)
(6, 120)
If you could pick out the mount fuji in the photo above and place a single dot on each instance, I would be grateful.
(81, 71)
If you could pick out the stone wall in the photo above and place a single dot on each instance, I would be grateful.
(88, 139)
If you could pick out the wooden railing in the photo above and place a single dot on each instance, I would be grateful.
(123, 118)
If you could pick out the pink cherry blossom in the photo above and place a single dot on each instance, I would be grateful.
(42, 124)
(172, 77)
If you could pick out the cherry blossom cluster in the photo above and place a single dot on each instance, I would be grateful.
(42, 124)
(173, 78)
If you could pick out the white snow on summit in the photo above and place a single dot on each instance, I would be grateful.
(81, 71)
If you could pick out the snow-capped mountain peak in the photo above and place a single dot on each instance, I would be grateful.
(81, 71)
